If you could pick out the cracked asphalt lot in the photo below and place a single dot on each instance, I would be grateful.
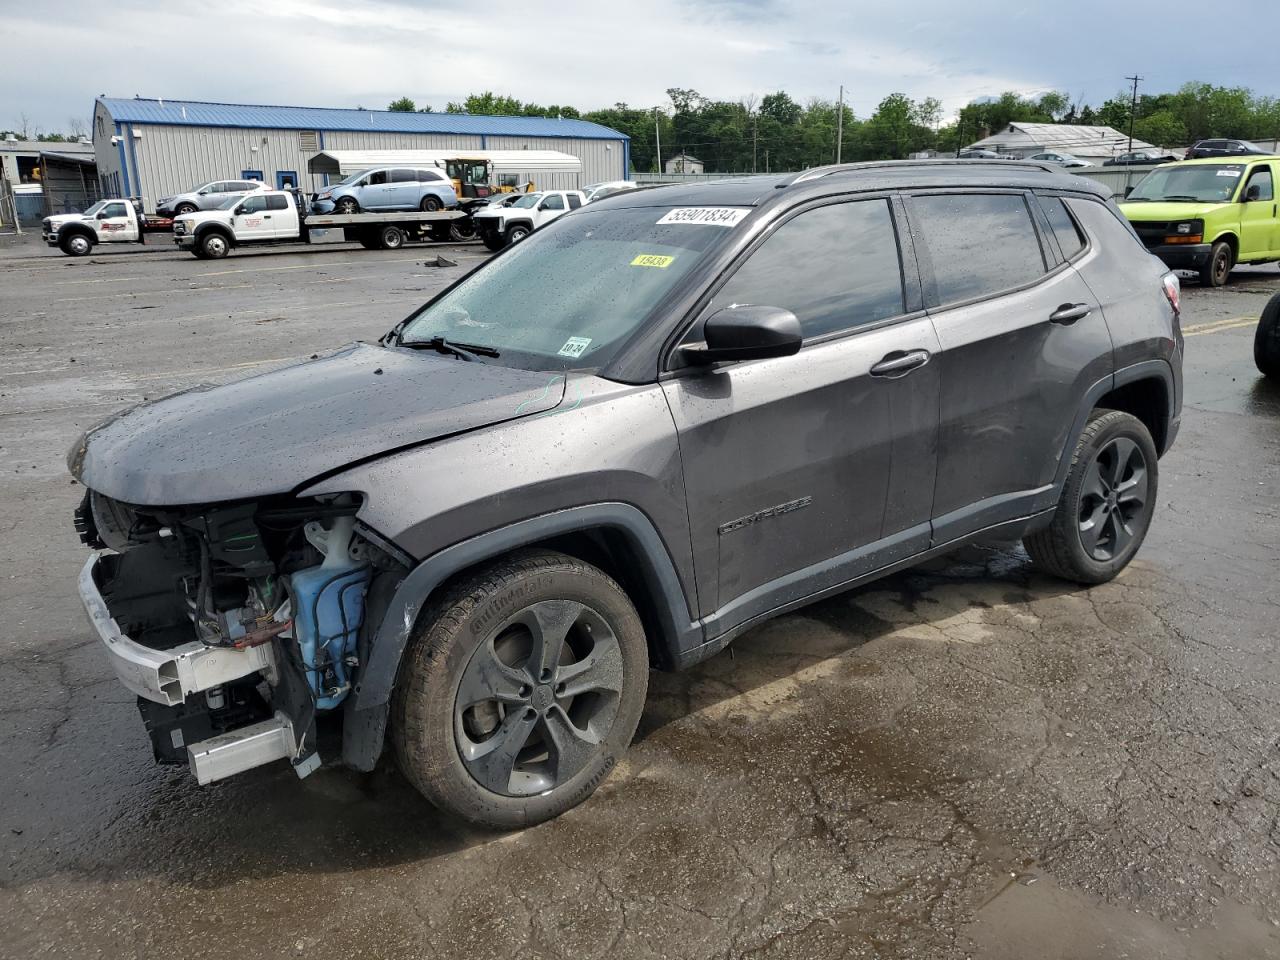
(965, 760)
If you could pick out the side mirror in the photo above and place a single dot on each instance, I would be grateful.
(202, 193)
(102, 215)
(1127, 191)
(747, 333)
(1253, 192)
(239, 210)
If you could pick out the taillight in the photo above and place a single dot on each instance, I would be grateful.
(1173, 291)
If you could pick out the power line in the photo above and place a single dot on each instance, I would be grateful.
(1133, 110)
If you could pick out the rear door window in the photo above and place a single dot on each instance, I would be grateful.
(553, 202)
(277, 202)
(977, 245)
(574, 201)
(835, 267)
(403, 176)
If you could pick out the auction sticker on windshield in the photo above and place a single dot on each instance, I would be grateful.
(653, 260)
(1228, 173)
(716, 216)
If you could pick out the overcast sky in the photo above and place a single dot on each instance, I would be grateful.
(592, 54)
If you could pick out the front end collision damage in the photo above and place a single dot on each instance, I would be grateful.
(236, 625)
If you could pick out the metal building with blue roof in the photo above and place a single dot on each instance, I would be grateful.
(153, 148)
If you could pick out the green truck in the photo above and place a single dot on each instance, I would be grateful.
(1209, 215)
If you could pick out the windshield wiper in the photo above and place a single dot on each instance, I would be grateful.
(463, 351)
(1182, 197)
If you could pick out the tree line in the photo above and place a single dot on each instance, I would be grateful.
(776, 133)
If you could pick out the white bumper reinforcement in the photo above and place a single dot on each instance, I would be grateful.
(167, 676)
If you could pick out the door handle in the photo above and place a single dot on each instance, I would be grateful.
(266, 216)
(900, 363)
(1069, 313)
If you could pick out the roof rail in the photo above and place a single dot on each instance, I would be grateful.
(815, 173)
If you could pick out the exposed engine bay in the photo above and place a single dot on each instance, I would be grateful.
(236, 624)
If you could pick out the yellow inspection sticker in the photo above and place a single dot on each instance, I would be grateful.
(653, 260)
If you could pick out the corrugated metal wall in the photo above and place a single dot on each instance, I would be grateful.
(172, 159)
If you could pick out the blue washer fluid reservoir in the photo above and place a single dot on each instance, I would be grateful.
(328, 608)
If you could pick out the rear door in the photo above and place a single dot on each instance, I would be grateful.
(403, 192)
(1259, 236)
(1022, 339)
(217, 192)
(806, 471)
(281, 216)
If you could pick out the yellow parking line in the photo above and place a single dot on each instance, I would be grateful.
(1236, 324)
(1201, 327)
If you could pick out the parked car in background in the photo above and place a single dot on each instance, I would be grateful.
(615, 448)
(1140, 156)
(1061, 159)
(386, 189)
(979, 154)
(210, 196)
(1223, 148)
(501, 226)
(1209, 215)
(598, 191)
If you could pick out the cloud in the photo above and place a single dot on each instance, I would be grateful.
(369, 52)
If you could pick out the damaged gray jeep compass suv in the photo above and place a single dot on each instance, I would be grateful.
(659, 421)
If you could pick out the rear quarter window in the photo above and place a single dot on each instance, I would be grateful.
(1070, 240)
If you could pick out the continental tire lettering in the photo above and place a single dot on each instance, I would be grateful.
(499, 609)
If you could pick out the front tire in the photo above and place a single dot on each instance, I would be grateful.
(391, 238)
(1221, 260)
(521, 688)
(214, 246)
(182, 208)
(493, 241)
(1266, 340)
(76, 245)
(517, 233)
(346, 206)
(1106, 505)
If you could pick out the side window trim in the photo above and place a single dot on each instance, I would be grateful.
(925, 259)
(697, 312)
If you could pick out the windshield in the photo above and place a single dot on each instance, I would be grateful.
(528, 200)
(95, 208)
(574, 292)
(228, 203)
(1192, 183)
(351, 179)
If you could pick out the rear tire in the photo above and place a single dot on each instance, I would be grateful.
(492, 729)
(1266, 340)
(1218, 269)
(430, 204)
(76, 245)
(1106, 505)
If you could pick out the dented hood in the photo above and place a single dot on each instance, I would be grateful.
(271, 433)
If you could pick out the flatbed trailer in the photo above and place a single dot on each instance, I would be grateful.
(270, 217)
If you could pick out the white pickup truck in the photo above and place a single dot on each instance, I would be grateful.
(107, 221)
(499, 226)
(272, 216)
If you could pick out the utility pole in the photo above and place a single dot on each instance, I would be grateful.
(840, 124)
(657, 136)
(755, 138)
(1133, 110)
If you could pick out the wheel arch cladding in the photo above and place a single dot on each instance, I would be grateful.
(1147, 399)
(617, 536)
